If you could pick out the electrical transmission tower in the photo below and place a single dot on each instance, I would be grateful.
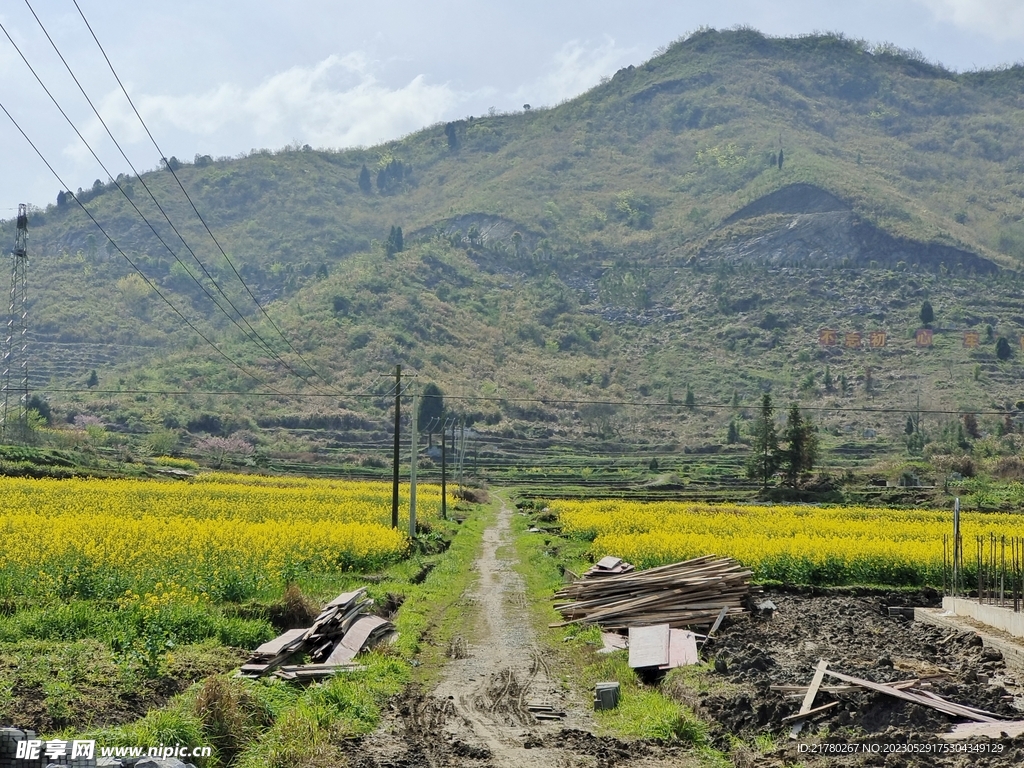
(15, 361)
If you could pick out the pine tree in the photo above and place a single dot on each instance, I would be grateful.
(690, 402)
(829, 384)
(909, 429)
(733, 435)
(364, 181)
(395, 242)
(765, 459)
(802, 445)
(452, 135)
(927, 313)
(1003, 349)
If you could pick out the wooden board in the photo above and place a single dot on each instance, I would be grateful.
(613, 641)
(808, 702)
(341, 654)
(345, 598)
(606, 563)
(357, 636)
(942, 705)
(810, 712)
(275, 646)
(682, 649)
(812, 689)
(648, 646)
(718, 621)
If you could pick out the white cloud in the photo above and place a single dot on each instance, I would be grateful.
(576, 68)
(336, 103)
(1000, 20)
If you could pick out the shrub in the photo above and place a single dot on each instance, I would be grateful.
(1009, 468)
(294, 610)
(176, 463)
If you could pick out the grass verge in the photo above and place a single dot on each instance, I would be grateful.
(645, 710)
(273, 724)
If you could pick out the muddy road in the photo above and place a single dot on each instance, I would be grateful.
(478, 714)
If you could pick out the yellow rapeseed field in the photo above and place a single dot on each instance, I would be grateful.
(801, 544)
(219, 535)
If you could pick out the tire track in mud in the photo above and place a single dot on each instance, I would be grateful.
(477, 715)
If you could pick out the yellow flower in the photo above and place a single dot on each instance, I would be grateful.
(155, 542)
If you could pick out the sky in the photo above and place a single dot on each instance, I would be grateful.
(222, 77)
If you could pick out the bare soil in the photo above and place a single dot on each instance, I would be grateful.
(477, 715)
(857, 637)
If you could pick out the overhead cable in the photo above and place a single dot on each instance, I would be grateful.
(188, 197)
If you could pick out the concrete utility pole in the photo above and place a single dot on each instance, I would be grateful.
(444, 472)
(15, 361)
(412, 468)
(957, 555)
(398, 426)
(462, 450)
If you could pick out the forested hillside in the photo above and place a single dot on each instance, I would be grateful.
(640, 263)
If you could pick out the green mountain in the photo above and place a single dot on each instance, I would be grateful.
(684, 231)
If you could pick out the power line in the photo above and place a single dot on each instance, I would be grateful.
(134, 266)
(258, 339)
(191, 202)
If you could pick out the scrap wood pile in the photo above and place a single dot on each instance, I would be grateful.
(685, 594)
(981, 723)
(343, 629)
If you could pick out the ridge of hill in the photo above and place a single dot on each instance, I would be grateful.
(687, 226)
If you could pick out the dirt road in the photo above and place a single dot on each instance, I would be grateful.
(478, 714)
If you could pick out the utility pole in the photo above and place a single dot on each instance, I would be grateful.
(444, 473)
(462, 450)
(15, 394)
(398, 417)
(412, 468)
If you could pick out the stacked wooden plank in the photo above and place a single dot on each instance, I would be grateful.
(683, 594)
(609, 566)
(343, 629)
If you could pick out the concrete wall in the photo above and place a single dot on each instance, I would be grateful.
(999, 618)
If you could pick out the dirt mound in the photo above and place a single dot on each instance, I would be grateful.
(796, 198)
(805, 226)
